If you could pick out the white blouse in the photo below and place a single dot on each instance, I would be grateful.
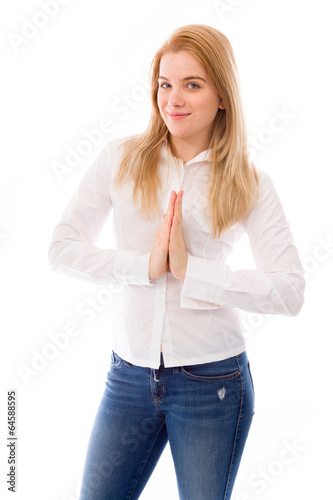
(195, 321)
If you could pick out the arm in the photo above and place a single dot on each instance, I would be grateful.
(72, 249)
(277, 284)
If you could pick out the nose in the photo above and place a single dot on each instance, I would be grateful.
(175, 98)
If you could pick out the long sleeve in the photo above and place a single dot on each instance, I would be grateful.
(277, 284)
(72, 250)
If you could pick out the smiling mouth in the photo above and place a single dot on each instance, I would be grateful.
(178, 116)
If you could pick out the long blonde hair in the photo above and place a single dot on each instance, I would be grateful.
(233, 182)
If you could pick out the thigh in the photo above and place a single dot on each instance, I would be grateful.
(127, 438)
(208, 426)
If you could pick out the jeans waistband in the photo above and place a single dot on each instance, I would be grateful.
(242, 359)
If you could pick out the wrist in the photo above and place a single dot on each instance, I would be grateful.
(185, 269)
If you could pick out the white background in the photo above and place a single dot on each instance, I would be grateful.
(87, 60)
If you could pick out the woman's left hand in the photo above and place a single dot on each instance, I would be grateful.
(177, 252)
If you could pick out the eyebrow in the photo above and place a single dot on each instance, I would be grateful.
(187, 78)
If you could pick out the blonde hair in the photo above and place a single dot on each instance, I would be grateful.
(233, 182)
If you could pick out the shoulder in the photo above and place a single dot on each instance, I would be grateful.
(109, 156)
(265, 184)
(267, 202)
(263, 175)
(116, 145)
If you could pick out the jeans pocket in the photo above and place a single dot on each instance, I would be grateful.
(248, 365)
(116, 361)
(252, 385)
(217, 370)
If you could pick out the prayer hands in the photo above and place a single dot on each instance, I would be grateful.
(169, 247)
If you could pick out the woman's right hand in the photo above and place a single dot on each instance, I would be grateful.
(159, 256)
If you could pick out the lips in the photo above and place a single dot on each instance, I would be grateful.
(178, 116)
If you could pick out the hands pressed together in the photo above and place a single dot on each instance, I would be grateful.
(169, 247)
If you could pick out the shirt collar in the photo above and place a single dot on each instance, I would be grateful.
(203, 156)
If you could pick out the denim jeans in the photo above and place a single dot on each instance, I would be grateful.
(204, 411)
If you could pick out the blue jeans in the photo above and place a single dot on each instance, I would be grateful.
(204, 411)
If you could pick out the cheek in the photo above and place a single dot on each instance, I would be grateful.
(160, 101)
(209, 108)
(210, 102)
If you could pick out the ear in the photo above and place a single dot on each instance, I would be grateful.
(221, 105)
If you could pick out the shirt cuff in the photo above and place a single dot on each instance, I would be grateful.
(132, 269)
(193, 287)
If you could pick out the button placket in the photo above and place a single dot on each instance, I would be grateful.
(159, 311)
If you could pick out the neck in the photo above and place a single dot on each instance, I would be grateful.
(186, 150)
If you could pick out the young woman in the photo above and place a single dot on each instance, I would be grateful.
(182, 194)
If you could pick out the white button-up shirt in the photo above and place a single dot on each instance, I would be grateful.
(195, 321)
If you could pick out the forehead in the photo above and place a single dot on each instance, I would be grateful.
(181, 64)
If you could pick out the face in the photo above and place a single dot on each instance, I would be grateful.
(187, 98)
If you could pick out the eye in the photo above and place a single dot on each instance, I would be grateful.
(196, 85)
(162, 85)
